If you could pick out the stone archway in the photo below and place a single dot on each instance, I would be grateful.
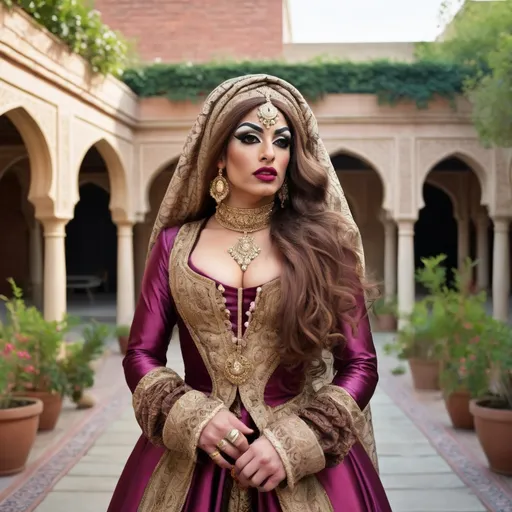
(117, 181)
(31, 136)
(364, 190)
(154, 194)
(23, 193)
(452, 219)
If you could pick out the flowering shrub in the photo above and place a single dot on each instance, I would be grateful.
(30, 346)
(16, 365)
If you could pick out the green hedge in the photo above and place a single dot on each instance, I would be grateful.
(82, 30)
(391, 81)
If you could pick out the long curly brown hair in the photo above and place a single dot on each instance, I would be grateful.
(321, 278)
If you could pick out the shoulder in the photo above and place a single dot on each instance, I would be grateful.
(168, 236)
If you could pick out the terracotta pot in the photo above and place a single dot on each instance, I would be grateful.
(52, 406)
(457, 405)
(123, 344)
(494, 430)
(386, 323)
(18, 429)
(425, 374)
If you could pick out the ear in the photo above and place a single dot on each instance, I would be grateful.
(221, 164)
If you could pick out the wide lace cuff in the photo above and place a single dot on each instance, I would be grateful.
(153, 398)
(336, 420)
(297, 446)
(187, 419)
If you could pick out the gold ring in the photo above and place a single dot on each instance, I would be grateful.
(215, 454)
(232, 435)
(222, 444)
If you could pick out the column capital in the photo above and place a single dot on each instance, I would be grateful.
(406, 227)
(54, 226)
(501, 224)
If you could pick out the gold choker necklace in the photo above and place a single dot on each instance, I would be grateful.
(244, 220)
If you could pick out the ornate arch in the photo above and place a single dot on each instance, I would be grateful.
(430, 152)
(379, 154)
(120, 201)
(152, 178)
(39, 155)
(441, 186)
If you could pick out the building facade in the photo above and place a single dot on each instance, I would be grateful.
(83, 167)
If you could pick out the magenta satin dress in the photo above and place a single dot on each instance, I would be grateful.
(353, 486)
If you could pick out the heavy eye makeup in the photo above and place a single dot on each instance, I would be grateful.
(246, 135)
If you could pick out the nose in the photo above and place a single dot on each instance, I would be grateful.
(267, 153)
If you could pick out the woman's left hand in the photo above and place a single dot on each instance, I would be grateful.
(260, 464)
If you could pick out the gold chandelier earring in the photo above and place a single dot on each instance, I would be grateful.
(283, 193)
(219, 187)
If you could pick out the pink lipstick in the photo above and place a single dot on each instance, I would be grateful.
(266, 174)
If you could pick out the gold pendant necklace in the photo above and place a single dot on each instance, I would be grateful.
(246, 221)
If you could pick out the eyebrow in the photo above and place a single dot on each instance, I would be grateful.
(260, 129)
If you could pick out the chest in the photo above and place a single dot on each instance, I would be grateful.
(215, 254)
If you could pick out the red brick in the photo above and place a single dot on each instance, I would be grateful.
(198, 30)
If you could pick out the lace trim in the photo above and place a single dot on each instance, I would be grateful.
(298, 448)
(186, 421)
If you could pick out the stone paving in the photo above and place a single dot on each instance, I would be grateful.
(416, 477)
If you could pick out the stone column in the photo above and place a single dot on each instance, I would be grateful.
(54, 268)
(125, 274)
(462, 241)
(390, 263)
(501, 269)
(36, 264)
(482, 250)
(406, 284)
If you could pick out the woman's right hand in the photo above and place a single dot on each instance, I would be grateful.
(216, 430)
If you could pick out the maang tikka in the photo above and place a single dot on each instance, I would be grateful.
(219, 187)
(268, 113)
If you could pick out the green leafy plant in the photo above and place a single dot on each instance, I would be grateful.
(423, 334)
(39, 339)
(82, 30)
(76, 363)
(385, 306)
(392, 82)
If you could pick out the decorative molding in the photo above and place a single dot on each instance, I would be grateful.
(431, 151)
(379, 153)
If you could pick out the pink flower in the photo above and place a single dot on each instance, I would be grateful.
(20, 337)
(30, 369)
(23, 354)
(9, 347)
(467, 325)
(472, 357)
(474, 340)
(462, 360)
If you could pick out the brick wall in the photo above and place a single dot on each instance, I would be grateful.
(198, 30)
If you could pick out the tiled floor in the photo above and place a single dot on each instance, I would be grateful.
(416, 477)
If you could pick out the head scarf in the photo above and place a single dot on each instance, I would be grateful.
(188, 183)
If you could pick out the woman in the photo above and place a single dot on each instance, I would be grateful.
(255, 257)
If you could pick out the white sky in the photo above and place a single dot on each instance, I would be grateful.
(324, 21)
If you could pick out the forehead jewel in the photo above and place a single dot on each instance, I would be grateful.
(268, 113)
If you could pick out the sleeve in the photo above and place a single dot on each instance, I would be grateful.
(322, 433)
(160, 395)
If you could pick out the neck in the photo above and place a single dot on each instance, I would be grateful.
(237, 201)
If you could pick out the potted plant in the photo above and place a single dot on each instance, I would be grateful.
(42, 341)
(385, 312)
(122, 333)
(19, 416)
(463, 374)
(493, 410)
(420, 340)
(77, 363)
